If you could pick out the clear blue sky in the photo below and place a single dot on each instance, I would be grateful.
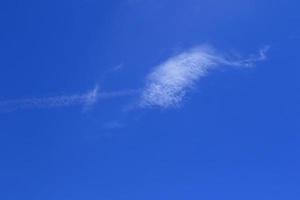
(235, 135)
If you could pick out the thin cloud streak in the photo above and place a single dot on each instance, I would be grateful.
(86, 100)
(168, 83)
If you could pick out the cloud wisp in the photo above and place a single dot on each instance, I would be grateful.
(168, 83)
(166, 86)
(86, 100)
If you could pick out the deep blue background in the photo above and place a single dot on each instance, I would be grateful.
(236, 137)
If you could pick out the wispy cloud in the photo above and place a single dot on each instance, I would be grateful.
(168, 83)
(86, 100)
(166, 86)
(112, 125)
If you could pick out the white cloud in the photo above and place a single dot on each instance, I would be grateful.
(168, 83)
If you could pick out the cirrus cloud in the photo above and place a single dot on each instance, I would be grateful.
(169, 82)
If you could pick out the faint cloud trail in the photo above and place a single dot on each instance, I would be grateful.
(86, 100)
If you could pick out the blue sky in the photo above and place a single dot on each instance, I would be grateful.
(145, 99)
